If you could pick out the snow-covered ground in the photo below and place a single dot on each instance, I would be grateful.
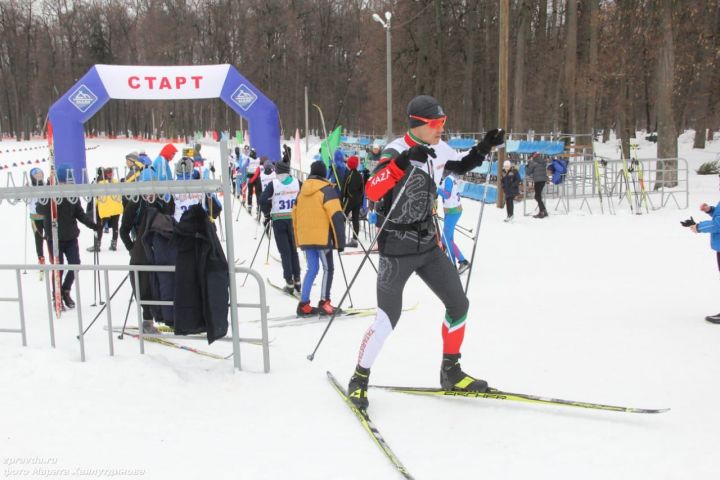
(588, 307)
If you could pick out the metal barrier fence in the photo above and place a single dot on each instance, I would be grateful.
(646, 184)
(135, 269)
(133, 191)
(643, 183)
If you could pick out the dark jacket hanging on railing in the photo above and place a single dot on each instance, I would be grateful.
(201, 277)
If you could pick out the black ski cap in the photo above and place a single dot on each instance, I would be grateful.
(282, 167)
(318, 168)
(423, 106)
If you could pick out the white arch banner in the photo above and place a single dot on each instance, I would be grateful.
(183, 82)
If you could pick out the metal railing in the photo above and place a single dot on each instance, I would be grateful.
(135, 269)
(645, 184)
(134, 191)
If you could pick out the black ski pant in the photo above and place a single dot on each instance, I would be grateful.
(37, 228)
(539, 186)
(285, 241)
(355, 211)
(68, 249)
(113, 222)
(255, 186)
(509, 206)
(435, 269)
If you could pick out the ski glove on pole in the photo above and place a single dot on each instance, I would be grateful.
(372, 218)
(493, 138)
(688, 223)
(286, 154)
(419, 153)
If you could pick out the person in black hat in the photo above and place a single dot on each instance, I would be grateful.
(319, 227)
(69, 212)
(408, 241)
(276, 203)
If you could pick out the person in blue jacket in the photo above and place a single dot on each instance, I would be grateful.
(712, 227)
(338, 167)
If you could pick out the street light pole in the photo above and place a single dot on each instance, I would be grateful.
(386, 25)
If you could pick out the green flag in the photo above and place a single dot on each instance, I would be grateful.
(328, 147)
(239, 137)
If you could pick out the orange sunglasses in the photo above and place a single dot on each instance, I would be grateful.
(435, 123)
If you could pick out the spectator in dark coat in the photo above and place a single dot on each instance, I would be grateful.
(353, 191)
(69, 211)
(511, 187)
(201, 277)
(132, 228)
(537, 170)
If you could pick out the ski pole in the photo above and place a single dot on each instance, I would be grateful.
(26, 229)
(311, 356)
(342, 268)
(461, 230)
(127, 314)
(362, 246)
(269, 234)
(104, 306)
(254, 256)
(480, 216)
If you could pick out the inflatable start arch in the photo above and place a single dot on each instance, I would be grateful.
(126, 82)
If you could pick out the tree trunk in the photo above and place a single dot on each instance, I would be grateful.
(570, 66)
(592, 74)
(667, 135)
(518, 124)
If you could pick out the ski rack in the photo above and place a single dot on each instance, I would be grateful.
(586, 180)
(134, 190)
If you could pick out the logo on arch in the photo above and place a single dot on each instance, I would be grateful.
(244, 97)
(83, 98)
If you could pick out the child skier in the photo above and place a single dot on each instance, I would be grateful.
(408, 241)
(277, 202)
(319, 226)
(452, 206)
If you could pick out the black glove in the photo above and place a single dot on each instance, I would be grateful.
(688, 223)
(419, 153)
(212, 168)
(97, 226)
(287, 154)
(493, 138)
(266, 221)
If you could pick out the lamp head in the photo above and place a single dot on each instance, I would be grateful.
(377, 18)
(388, 15)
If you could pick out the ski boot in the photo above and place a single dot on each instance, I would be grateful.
(41, 274)
(713, 318)
(357, 388)
(325, 308)
(298, 287)
(67, 300)
(113, 245)
(453, 378)
(304, 309)
(508, 220)
(289, 288)
(463, 266)
(149, 328)
(95, 247)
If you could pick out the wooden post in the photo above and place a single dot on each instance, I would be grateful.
(504, 21)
